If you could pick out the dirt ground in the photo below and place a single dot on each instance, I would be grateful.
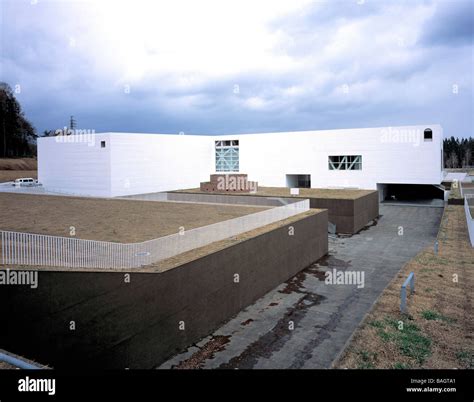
(438, 330)
(18, 164)
(304, 192)
(106, 219)
(10, 175)
(14, 168)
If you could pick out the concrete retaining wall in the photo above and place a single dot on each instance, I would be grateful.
(366, 208)
(137, 324)
(231, 199)
(349, 215)
(215, 198)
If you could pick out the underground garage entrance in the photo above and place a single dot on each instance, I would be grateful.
(420, 194)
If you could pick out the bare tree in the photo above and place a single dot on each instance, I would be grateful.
(452, 161)
(467, 157)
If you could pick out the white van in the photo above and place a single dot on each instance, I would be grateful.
(25, 181)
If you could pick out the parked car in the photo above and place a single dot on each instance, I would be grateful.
(25, 182)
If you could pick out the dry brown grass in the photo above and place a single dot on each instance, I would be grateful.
(455, 191)
(188, 256)
(107, 219)
(14, 168)
(11, 175)
(304, 192)
(18, 164)
(438, 331)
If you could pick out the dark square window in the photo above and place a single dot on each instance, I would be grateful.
(102, 144)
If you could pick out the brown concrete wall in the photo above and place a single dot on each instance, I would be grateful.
(341, 212)
(455, 201)
(349, 215)
(136, 324)
(230, 199)
(366, 208)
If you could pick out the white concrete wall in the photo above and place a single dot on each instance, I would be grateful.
(144, 163)
(81, 167)
(386, 158)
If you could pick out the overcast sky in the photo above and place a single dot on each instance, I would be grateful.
(218, 67)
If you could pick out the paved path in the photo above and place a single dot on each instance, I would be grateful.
(305, 323)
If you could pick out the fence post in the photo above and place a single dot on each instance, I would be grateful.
(403, 292)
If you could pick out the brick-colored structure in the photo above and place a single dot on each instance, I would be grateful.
(229, 183)
(121, 322)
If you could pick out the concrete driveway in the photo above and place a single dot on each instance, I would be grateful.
(305, 323)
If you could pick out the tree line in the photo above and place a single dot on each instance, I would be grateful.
(17, 134)
(458, 153)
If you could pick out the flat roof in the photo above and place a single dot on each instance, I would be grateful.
(105, 219)
(191, 255)
(324, 193)
(327, 130)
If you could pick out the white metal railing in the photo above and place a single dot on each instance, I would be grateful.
(465, 190)
(469, 219)
(468, 195)
(43, 250)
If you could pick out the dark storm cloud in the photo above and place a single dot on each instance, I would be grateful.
(452, 24)
(398, 60)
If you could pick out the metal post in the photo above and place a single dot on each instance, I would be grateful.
(403, 293)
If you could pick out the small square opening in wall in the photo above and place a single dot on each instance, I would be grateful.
(102, 144)
(428, 135)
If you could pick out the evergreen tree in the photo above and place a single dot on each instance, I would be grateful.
(17, 135)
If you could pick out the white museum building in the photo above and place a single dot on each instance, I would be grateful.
(118, 164)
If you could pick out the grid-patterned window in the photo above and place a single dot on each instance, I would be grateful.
(227, 156)
(345, 162)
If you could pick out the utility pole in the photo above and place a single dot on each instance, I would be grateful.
(72, 123)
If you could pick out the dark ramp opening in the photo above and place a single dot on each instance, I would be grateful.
(298, 180)
(412, 192)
